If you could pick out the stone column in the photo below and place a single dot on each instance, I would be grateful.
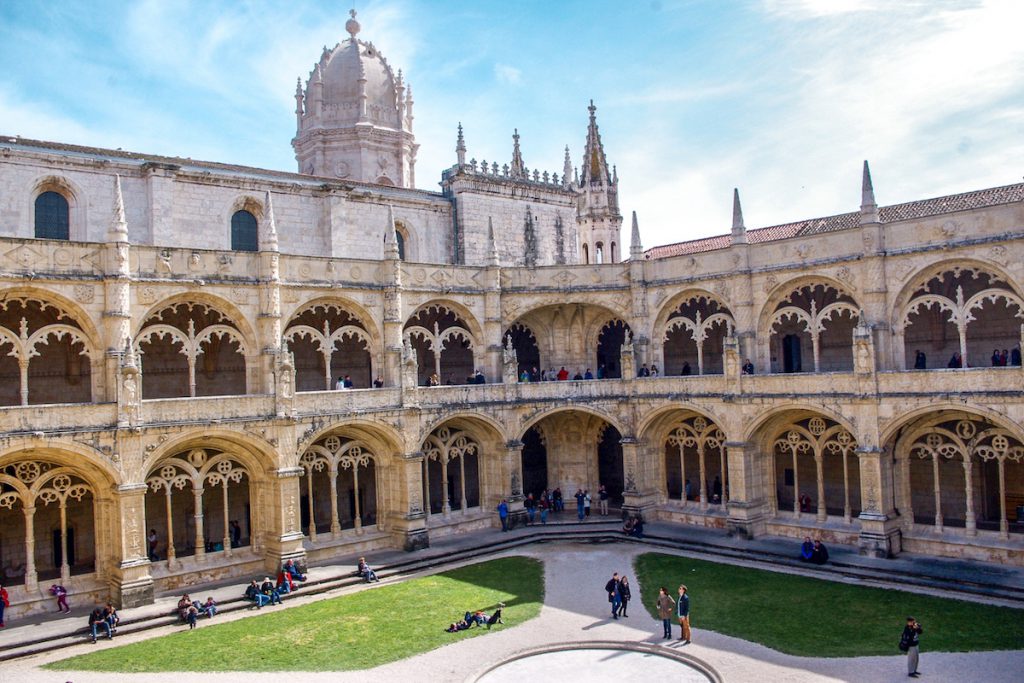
(283, 537)
(408, 518)
(636, 496)
(513, 475)
(879, 526)
(200, 538)
(748, 508)
(131, 583)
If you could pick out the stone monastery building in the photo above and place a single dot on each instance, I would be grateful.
(172, 333)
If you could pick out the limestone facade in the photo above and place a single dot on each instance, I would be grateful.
(157, 381)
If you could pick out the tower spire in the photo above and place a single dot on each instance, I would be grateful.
(391, 237)
(636, 249)
(517, 156)
(868, 207)
(118, 225)
(492, 246)
(270, 242)
(595, 164)
(739, 230)
(460, 147)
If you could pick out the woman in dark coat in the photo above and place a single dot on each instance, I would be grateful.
(624, 595)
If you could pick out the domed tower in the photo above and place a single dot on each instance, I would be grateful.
(597, 205)
(354, 118)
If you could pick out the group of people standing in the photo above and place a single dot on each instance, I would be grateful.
(619, 595)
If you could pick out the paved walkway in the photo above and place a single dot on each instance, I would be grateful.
(572, 613)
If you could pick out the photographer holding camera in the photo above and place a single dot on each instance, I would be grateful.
(909, 643)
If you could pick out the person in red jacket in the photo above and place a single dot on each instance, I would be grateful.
(563, 374)
(5, 602)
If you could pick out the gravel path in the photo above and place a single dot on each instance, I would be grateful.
(575, 609)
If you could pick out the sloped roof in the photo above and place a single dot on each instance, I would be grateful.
(977, 199)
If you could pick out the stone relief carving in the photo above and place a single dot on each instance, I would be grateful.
(84, 294)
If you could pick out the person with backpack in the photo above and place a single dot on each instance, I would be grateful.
(910, 643)
(614, 596)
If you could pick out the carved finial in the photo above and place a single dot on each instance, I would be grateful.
(391, 236)
(739, 230)
(636, 249)
(492, 246)
(118, 224)
(460, 147)
(352, 26)
(518, 169)
(270, 240)
(868, 207)
(128, 359)
(566, 169)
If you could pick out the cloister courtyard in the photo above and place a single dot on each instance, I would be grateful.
(752, 622)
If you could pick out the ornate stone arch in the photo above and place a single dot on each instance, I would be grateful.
(201, 471)
(382, 438)
(341, 454)
(452, 467)
(193, 329)
(958, 466)
(52, 488)
(335, 331)
(440, 326)
(807, 305)
(35, 325)
(696, 316)
(955, 293)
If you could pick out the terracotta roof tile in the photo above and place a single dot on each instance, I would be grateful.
(815, 226)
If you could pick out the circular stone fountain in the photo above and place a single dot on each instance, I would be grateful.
(598, 661)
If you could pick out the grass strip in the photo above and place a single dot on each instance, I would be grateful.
(811, 617)
(349, 632)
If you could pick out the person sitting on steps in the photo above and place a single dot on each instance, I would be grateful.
(366, 572)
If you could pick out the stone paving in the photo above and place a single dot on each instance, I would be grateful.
(575, 609)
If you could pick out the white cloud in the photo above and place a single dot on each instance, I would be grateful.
(508, 75)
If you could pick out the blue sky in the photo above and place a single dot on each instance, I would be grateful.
(780, 98)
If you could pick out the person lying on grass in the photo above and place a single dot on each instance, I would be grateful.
(477, 618)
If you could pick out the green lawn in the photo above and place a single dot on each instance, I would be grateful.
(810, 617)
(355, 631)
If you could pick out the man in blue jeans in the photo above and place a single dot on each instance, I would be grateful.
(614, 597)
(253, 593)
(96, 619)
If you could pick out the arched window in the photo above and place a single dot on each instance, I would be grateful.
(611, 254)
(400, 236)
(244, 232)
(586, 254)
(599, 253)
(401, 245)
(52, 216)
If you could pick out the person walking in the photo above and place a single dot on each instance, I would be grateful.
(602, 499)
(614, 596)
(61, 593)
(5, 602)
(531, 508)
(579, 503)
(666, 606)
(624, 596)
(503, 514)
(910, 643)
(683, 614)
